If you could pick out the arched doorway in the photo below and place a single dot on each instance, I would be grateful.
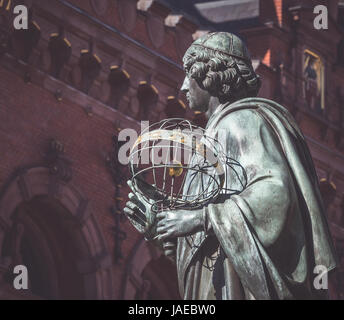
(160, 276)
(45, 240)
(149, 275)
(48, 226)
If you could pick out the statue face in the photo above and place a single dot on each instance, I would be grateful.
(198, 98)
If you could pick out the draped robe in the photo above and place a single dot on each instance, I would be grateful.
(264, 241)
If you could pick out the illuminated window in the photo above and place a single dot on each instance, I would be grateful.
(313, 80)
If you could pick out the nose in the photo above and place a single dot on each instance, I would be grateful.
(186, 85)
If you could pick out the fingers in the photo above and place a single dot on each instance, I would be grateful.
(161, 215)
(137, 220)
(134, 213)
(133, 198)
(128, 211)
(162, 229)
(130, 184)
(131, 205)
(141, 215)
(162, 221)
(136, 209)
(169, 248)
(141, 198)
(131, 215)
(165, 236)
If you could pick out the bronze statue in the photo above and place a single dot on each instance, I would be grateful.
(264, 241)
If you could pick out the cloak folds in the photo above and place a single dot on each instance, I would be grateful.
(274, 232)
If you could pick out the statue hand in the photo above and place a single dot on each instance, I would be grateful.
(138, 211)
(179, 223)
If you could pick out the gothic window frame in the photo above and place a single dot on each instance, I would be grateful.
(320, 81)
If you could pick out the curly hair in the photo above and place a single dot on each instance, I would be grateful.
(223, 76)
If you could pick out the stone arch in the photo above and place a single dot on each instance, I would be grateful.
(94, 264)
(136, 285)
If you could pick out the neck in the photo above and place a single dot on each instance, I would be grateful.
(213, 104)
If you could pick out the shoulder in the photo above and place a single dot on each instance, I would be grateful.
(241, 122)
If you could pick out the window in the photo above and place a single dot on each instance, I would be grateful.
(313, 81)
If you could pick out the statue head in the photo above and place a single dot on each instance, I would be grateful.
(218, 65)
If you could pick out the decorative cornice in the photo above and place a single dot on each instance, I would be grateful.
(70, 93)
(119, 33)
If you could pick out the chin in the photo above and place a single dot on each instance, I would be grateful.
(194, 107)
